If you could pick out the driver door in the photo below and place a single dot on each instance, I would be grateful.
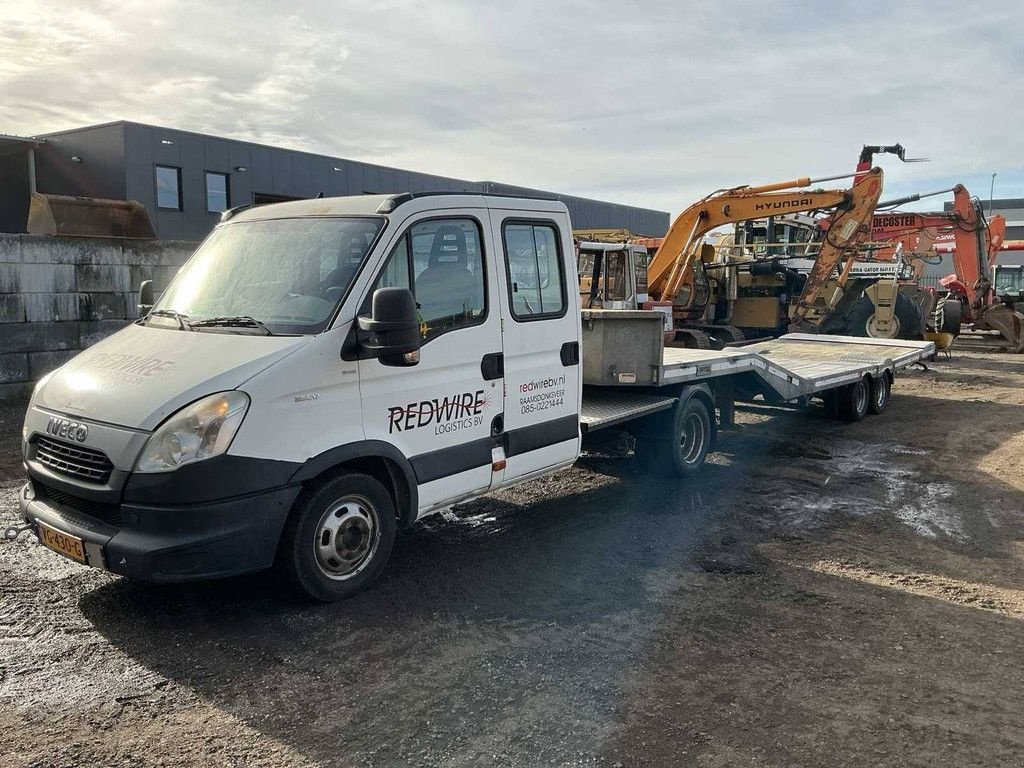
(439, 413)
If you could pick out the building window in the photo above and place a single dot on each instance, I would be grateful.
(216, 192)
(168, 187)
(535, 276)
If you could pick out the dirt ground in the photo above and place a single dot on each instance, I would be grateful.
(826, 594)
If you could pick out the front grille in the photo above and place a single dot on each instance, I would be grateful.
(74, 460)
(102, 511)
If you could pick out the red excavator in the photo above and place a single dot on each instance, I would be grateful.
(977, 243)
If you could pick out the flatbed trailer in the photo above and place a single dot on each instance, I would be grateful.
(642, 378)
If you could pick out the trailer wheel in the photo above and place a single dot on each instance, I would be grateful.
(682, 452)
(339, 537)
(881, 387)
(854, 400)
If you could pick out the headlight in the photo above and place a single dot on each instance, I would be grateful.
(199, 431)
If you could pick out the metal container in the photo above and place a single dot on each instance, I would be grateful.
(622, 347)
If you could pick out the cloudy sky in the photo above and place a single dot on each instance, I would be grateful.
(651, 103)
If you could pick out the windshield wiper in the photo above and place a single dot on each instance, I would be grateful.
(231, 321)
(182, 319)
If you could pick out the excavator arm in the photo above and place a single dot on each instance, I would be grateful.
(848, 230)
(670, 273)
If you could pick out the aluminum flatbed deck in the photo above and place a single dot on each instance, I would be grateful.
(790, 367)
(803, 364)
(796, 364)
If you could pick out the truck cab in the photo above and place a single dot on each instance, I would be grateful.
(319, 373)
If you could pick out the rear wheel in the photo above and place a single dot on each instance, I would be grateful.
(685, 444)
(339, 537)
(881, 387)
(854, 400)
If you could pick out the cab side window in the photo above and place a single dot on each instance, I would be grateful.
(441, 262)
(535, 275)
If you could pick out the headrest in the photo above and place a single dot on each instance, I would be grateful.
(352, 255)
(449, 246)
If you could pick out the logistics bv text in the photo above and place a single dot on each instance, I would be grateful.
(448, 414)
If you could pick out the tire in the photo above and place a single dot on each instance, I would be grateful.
(339, 537)
(952, 315)
(881, 389)
(909, 324)
(854, 400)
(682, 452)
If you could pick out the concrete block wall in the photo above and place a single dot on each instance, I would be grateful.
(59, 295)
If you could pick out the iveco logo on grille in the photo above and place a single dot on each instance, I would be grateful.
(70, 430)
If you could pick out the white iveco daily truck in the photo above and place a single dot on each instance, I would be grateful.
(323, 372)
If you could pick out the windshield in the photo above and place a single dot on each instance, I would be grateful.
(288, 274)
(1009, 280)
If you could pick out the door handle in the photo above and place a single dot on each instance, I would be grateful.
(492, 366)
(570, 353)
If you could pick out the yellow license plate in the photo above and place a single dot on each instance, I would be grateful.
(64, 543)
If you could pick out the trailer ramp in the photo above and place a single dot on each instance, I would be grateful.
(805, 364)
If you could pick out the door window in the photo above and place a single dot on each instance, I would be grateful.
(444, 259)
(535, 275)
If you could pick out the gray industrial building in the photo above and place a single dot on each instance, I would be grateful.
(185, 179)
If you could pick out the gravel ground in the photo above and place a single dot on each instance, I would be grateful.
(840, 594)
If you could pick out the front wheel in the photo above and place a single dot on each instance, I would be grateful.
(339, 537)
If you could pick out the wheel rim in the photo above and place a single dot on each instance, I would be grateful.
(346, 537)
(691, 440)
(860, 396)
(872, 329)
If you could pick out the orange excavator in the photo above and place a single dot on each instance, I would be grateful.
(676, 279)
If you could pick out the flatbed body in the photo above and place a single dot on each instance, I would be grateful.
(786, 369)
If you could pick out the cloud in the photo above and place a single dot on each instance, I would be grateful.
(653, 103)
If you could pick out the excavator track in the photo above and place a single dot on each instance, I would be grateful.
(691, 338)
(729, 334)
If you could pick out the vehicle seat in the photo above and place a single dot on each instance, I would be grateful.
(447, 287)
(348, 264)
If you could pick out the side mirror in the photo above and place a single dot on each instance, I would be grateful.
(146, 300)
(392, 332)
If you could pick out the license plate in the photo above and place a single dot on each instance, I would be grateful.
(65, 543)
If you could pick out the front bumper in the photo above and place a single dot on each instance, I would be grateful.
(174, 543)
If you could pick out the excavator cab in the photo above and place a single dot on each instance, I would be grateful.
(607, 275)
(1008, 283)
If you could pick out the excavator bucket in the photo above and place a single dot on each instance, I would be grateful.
(87, 217)
(1007, 321)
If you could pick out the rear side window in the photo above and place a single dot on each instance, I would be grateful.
(535, 275)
